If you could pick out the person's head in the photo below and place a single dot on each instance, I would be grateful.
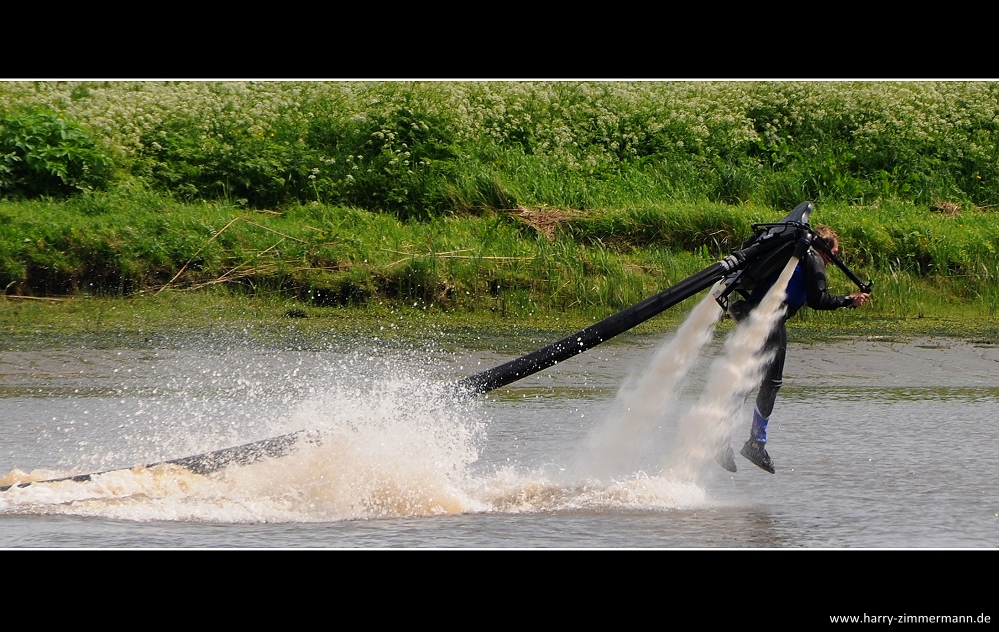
(831, 239)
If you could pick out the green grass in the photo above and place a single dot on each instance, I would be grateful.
(135, 240)
(932, 271)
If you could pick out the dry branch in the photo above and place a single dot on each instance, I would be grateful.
(223, 279)
(302, 241)
(203, 246)
(450, 255)
(17, 297)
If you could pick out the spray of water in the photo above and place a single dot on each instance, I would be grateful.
(614, 445)
(392, 446)
(732, 377)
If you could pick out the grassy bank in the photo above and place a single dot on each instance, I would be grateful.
(518, 262)
(120, 259)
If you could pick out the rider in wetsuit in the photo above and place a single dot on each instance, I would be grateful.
(806, 287)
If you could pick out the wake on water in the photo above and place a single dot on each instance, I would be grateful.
(398, 447)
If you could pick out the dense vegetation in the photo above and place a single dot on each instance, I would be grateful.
(511, 196)
(422, 149)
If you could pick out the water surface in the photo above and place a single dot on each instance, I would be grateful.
(877, 444)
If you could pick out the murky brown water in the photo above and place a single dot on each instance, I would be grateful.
(877, 444)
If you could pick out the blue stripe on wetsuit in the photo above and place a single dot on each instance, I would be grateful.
(797, 295)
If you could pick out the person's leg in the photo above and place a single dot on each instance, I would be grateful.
(773, 379)
(755, 449)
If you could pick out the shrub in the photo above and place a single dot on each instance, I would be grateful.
(398, 161)
(41, 153)
(222, 160)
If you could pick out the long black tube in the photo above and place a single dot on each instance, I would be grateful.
(593, 335)
(479, 383)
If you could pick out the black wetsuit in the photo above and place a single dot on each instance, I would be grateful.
(807, 287)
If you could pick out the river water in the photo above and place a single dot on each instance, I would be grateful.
(877, 444)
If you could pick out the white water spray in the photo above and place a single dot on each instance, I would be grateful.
(613, 446)
(391, 443)
(732, 377)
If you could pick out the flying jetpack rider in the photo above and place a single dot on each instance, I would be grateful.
(807, 286)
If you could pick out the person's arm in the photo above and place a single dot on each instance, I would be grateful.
(817, 288)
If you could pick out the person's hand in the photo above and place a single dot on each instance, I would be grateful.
(859, 298)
